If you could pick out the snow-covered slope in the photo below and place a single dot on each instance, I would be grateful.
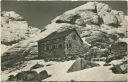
(58, 70)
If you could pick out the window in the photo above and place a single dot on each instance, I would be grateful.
(69, 45)
(50, 47)
(53, 46)
(60, 45)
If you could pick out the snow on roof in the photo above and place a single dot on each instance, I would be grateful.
(57, 34)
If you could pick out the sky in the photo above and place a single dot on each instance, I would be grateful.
(40, 13)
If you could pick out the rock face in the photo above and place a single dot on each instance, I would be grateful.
(119, 15)
(102, 9)
(15, 28)
(88, 17)
(120, 68)
(110, 19)
(97, 24)
(29, 76)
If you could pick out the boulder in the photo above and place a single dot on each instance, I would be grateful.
(92, 27)
(86, 33)
(119, 15)
(80, 22)
(81, 18)
(36, 66)
(66, 18)
(12, 78)
(119, 48)
(28, 76)
(110, 19)
(102, 8)
(43, 75)
(95, 52)
(120, 68)
(97, 36)
(87, 17)
(88, 30)
(12, 15)
(85, 13)
(120, 31)
(90, 6)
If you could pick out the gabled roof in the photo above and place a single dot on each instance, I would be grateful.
(58, 34)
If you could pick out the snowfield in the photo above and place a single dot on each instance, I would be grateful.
(58, 70)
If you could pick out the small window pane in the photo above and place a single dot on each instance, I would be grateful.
(50, 47)
(53, 46)
(60, 45)
(70, 45)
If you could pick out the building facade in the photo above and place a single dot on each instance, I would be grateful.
(61, 44)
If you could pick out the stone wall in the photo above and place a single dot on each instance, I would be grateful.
(73, 45)
(52, 48)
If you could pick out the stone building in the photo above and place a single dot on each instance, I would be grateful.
(61, 44)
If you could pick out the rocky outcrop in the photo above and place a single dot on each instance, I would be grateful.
(11, 16)
(102, 9)
(29, 76)
(92, 13)
(119, 15)
(120, 68)
(15, 28)
(87, 17)
(110, 19)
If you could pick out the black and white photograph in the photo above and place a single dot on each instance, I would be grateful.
(64, 41)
